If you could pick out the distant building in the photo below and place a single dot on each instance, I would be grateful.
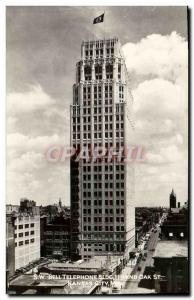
(12, 208)
(55, 237)
(171, 253)
(172, 199)
(175, 226)
(171, 264)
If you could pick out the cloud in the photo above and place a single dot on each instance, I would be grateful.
(158, 68)
(33, 100)
(27, 162)
(161, 98)
(23, 143)
(162, 56)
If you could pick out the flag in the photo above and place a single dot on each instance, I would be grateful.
(99, 19)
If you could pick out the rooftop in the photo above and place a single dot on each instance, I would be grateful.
(171, 248)
(97, 262)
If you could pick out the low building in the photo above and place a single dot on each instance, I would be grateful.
(175, 225)
(26, 233)
(171, 266)
(27, 239)
(55, 241)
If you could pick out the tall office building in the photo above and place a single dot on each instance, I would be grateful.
(102, 197)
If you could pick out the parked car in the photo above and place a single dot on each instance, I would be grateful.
(139, 268)
(143, 258)
(115, 290)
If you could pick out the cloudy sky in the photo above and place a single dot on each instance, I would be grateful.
(43, 46)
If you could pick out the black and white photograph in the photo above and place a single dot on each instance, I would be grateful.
(97, 150)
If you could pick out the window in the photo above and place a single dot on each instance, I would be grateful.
(26, 242)
(32, 232)
(26, 233)
(170, 234)
(119, 71)
(21, 234)
(21, 243)
(88, 75)
(98, 72)
(109, 71)
(20, 226)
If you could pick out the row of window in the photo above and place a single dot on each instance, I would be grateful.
(107, 202)
(26, 242)
(21, 234)
(99, 211)
(108, 247)
(106, 185)
(106, 194)
(106, 167)
(99, 52)
(98, 102)
(108, 126)
(106, 219)
(96, 135)
(24, 226)
(98, 110)
(106, 228)
(107, 118)
(102, 235)
(107, 177)
(99, 44)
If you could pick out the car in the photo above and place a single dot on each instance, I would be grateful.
(139, 268)
(115, 290)
(143, 258)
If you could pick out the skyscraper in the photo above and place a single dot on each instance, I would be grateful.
(102, 197)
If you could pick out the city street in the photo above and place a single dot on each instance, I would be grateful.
(132, 285)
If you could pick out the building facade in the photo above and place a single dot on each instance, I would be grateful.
(102, 197)
(10, 245)
(56, 238)
(171, 267)
(27, 239)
